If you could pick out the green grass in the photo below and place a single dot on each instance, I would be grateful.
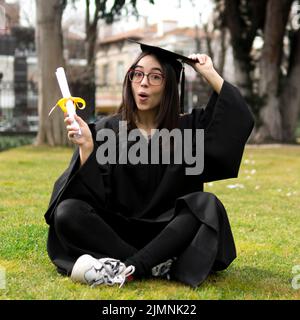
(263, 211)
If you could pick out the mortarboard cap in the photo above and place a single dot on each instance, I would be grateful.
(174, 59)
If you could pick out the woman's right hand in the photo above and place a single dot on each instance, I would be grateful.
(84, 141)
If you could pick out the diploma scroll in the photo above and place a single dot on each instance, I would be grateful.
(64, 88)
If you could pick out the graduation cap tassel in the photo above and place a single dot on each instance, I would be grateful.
(182, 90)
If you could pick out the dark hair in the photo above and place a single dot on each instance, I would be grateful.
(168, 113)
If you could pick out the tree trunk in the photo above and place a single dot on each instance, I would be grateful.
(242, 79)
(50, 56)
(290, 98)
(91, 32)
(87, 78)
(241, 38)
(269, 116)
(91, 38)
(222, 54)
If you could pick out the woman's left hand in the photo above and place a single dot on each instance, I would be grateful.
(204, 65)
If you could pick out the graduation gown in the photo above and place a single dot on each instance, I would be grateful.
(153, 194)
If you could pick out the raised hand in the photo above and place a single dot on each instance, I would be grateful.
(204, 66)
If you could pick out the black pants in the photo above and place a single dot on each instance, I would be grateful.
(142, 244)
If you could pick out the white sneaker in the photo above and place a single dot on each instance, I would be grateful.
(112, 266)
(92, 271)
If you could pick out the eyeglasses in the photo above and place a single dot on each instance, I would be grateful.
(155, 79)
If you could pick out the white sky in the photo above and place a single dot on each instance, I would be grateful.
(187, 15)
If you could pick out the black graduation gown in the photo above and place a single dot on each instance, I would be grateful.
(155, 193)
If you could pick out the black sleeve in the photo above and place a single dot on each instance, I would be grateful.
(77, 181)
(227, 122)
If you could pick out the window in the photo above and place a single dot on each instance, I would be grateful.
(105, 75)
(120, 72)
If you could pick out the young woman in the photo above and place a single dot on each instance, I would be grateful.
(112, 222)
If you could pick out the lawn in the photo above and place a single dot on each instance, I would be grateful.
(263, 206)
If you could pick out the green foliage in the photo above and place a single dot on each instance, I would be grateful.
(111, 10)
(8, 142)
(116, 9)
(262, 205)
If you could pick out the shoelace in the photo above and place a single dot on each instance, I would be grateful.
(100, 277)
(104, 279)
(112, 267)
(120, 279)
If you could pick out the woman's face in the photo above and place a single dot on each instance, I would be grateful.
(146, 95)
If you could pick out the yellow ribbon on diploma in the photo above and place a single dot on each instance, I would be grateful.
(79, 103)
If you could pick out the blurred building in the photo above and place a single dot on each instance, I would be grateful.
(18, 88)
(19, 71)
(12, 16)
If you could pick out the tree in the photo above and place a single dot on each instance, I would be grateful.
(243, 19)
(277, 14)
(274, 96)
(49, 46)
(103, 10)
(290, 97)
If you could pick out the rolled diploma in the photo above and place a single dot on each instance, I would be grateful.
(64, 88)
